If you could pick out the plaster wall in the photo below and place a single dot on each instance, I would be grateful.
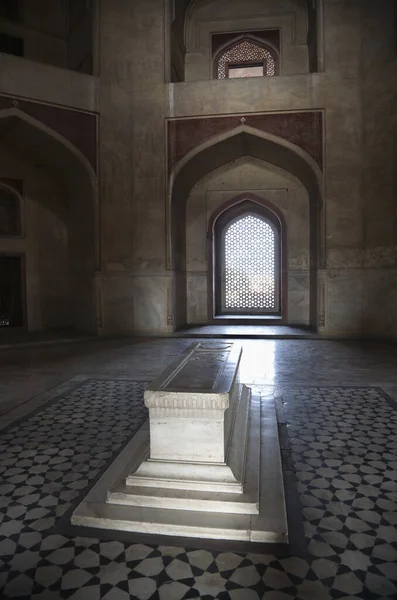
(270, 183)
(220, 16)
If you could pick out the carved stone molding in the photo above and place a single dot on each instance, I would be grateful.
(186, 402)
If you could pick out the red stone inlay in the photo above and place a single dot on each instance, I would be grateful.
(77, 127)
(304, 129)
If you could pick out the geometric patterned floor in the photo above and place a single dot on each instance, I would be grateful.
(343, 452)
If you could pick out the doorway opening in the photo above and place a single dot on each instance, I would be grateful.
(11, 293)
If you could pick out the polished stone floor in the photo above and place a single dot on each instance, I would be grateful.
(67, 410)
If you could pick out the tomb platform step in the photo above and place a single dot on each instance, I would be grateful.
(185, 500)
(211, 477)
(189, 524)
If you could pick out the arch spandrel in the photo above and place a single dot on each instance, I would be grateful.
(15, 116)
(246, 141)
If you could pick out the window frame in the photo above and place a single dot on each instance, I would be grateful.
(220, 271)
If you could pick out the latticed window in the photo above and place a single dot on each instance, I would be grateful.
(10, 222)
(248, 259)
(246, 58)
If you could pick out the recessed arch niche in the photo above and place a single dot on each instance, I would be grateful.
(191, 23)
(222, 150)
(60, 195)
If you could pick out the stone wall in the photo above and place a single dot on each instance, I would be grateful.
(379, 95)
(136, 287)
(360, 186)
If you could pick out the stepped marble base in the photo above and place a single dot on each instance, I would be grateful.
(220, 509)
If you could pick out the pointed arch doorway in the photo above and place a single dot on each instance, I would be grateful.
(213, 154)
(64, 226)
(247, 260)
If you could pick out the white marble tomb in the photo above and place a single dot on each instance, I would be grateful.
(197, 467)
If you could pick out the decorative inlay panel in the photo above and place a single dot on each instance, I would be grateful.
(304, 129)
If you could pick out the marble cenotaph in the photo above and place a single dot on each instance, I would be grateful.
(206, 463)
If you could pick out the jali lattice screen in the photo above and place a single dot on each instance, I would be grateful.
(250, 278)
(246, 52)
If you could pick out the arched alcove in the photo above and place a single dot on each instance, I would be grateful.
(219, 151)
(60, 190)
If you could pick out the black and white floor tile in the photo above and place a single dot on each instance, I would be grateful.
(343, 450)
